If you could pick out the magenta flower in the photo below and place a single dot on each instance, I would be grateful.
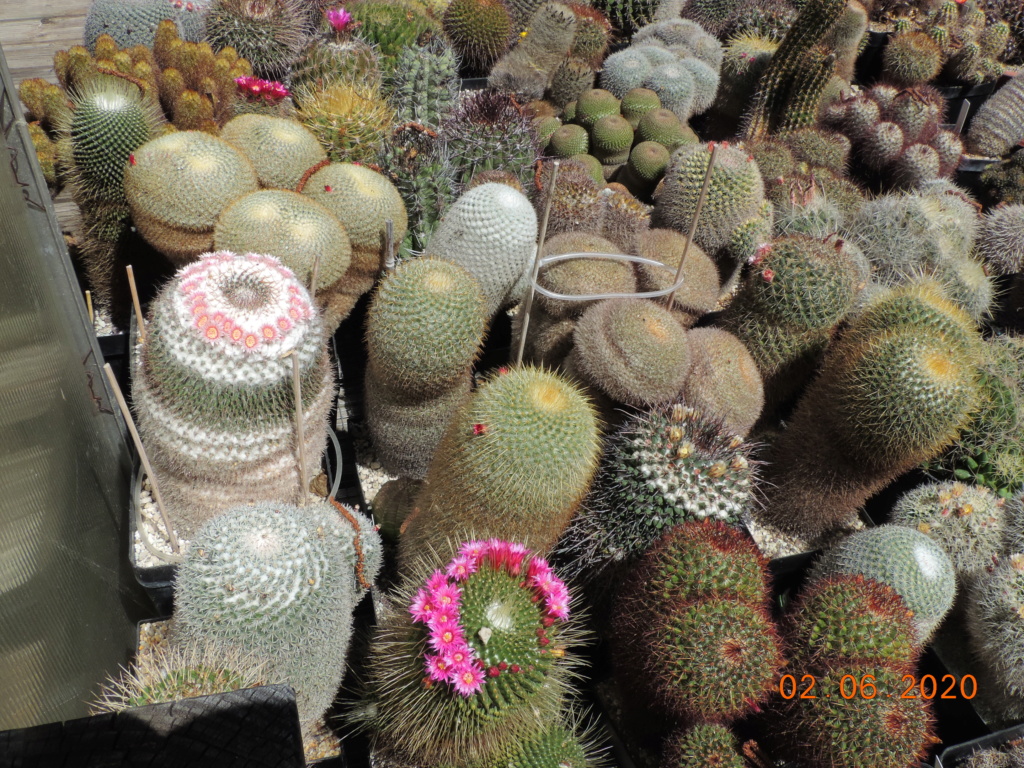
(253, 88)
(442, 616)
(447, 596)
(446, 638)
(461, 567)
(437, 579)
(474, 550)
(439, 668)
(557, 604)
(459, 658)
(516, 554)
(339, 18)
(423, 607)
(537, 568)
(468, 681)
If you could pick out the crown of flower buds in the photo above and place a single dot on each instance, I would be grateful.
(451, 659)
(253, 88)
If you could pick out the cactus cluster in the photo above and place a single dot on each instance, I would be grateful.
(269, 33)
(424, 86)
(474, 664)
(529, 67)
(279, 582)
(391, 26)
(213, 394)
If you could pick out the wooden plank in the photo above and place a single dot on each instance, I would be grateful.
(31, 32)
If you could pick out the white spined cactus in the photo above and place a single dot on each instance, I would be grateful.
(280, 582)
(213, 385)
(491, 231)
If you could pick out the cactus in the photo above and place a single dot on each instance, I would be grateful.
(290, 226)
(611, 137)
(625, 218)
(571, 79)
(424, 86)
(424, 330)
(967, 521)
(547, 425)
(705, 83)
(554, 746)
(489, 131)
(529, 67)
(479, 30)
(391, 27)
(491, 231)
(213, 395)
(173, 672)
(134, 22)
(703, 653)
(569, 140)
(178, 185)
(593, 34)
(664, 127)
(994, 609)
(698, 294)
(478, 664)
(1004, 181)
(1001, 239)
(633, 350)
(1005, 756)
(907, 560)
(745, 59)
(280, 150)
(363, 201)
(999, 124)
(350, 121)
(580, 276)
(627, 16)
(281, 582)
(660, 469)
(911, 58)
(676, 88)
(636, 103)
(703, 745)
(625, 70)
(723, 381)
(270, 34)
(326, 60)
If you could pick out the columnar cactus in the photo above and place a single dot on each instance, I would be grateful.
(995, 608)
(999, 124)
(424, 86)
(213, 390)
(518, 457)
(476, 662)
(280, 582)
(529, 67)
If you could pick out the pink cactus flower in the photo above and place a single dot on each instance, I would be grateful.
(339, 18)
(254, 88)
(461, 567)
(475, 550)
(437, 580)
(423, 606)
(447, 596)
(468, 681)
(446, 638)
(439, 668)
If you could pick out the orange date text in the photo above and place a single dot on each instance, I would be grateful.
(851, 686)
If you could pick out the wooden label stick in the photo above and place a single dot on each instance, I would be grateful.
(138, 306)
(535, 269)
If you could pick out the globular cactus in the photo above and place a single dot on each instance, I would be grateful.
(528, 68)
(476, 663)
(297, 230)
(712, 15)
(490, 131)
(745, 58)
(569, 140)
(134, 22)
(280, 582)
(424, 330)
(632, 350)
(424, 86)
(518, 457)
(703, 745)
(676, 88)
(327, 60)
(556, 745)
(703, 653)
(491, 231)
(636, 103)
(999, 124)
(173, 672)
(723, 381)
(910, 562)
(698, 295)
(213, 395)
(390, 27)
(661, 468)
(593, 34)
(1004, 181)
(994, 610)
(574, 277)
(480, 31)
(705, 83)
(1001, 239)
(571, 79)
(178, 185)
(664, 127)
(735, 193)
(625, 70)
(594, 104)
(624, 219)
(627, 16)
(967, 521)
(349, 120)
(280, 150)
(911, 58)
(363, 201)
(575, 200)
(270, 34)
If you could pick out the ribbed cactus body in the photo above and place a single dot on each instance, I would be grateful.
(911, 563)
(424, 86)
(627, 16)
(480, 30)
(347, 61)
(475, 662)
(280, 150)
(703, 745)
(178, 186)
(269, 34)
(213, 394)
(281, 582)
(517, 458)
(349, 119)
(554, 746)
(134, 22)
(491, 231)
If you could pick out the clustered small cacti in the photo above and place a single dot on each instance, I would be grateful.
(392, 26)
(279, 582)
(475, 660)
(424, 86)
(213, 394)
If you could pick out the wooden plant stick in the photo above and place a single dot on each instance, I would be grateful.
(961, 118)
(138, 306)
(88, 306)
(693, 222)
(313, 276)
(143, 456)
(528, 305)
(299, 432)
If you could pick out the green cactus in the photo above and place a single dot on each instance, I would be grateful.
(290, 226)
(1004, 181)
(178, 186)
(555, 746)
(636, 103)
(488, 220)
(349, 120)
(911, 58)
(326, 60)
(745, 58)
(479, 30)
(529, 67)
(967, 521)
(392, 26)
(702, 745)
(569, 140)
(627, 16)
(910, 562)
(593, 34)
(632, 350)
(513, 644)
(424, 86)
(547, 425)
(270, 34)
(571, 79)
(610, 139)
(851, 618)
(134, 22)
(281, 582)
(280, 150)
(664, 127)
(213, 395)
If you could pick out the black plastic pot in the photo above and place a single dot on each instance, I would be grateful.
(954, 756)
(968, 175)
(868, 67)
(956, 95)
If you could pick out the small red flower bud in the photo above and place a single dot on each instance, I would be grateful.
(503, 666)
(131, 158)
(516, 668)
(479, 429)
(328, 188)
(493, 672)
(768, 275)
(544, 641)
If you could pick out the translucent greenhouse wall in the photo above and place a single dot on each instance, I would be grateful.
(68, 599)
